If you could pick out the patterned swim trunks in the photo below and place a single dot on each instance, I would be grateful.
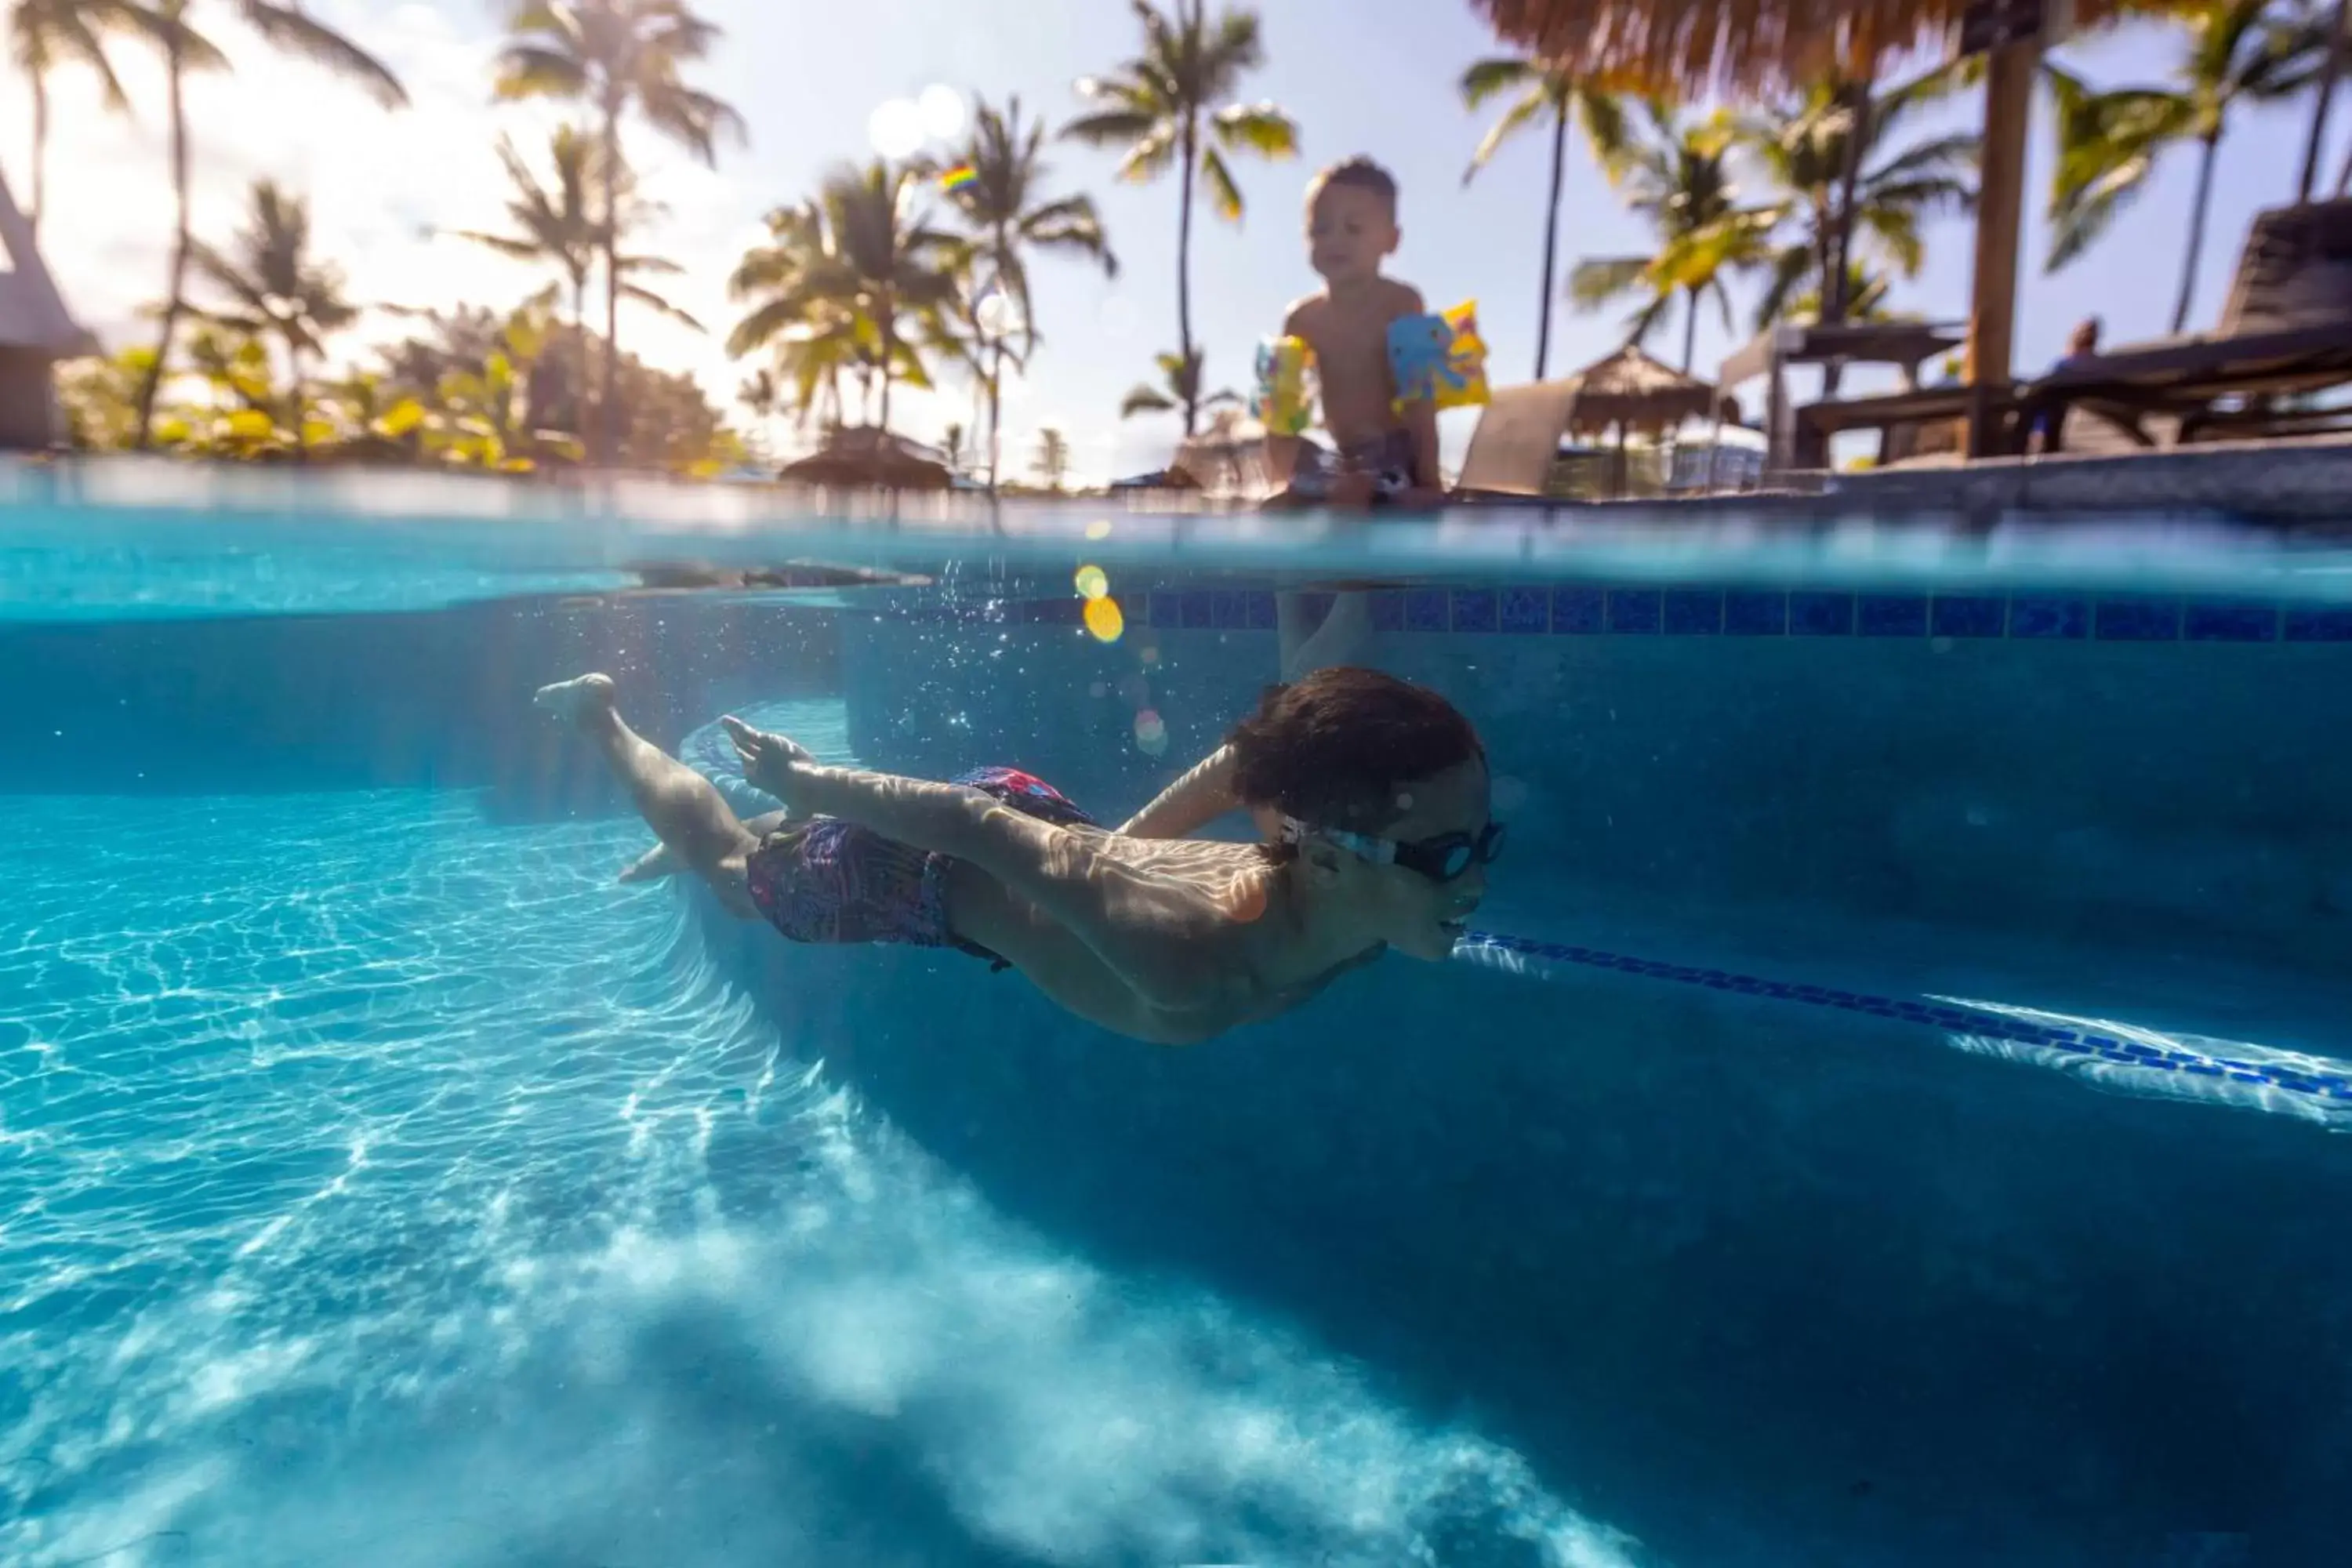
(826, 880)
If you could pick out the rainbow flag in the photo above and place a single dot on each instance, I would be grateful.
(963, 176)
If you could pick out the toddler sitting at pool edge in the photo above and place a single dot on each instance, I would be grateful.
(1351, 224)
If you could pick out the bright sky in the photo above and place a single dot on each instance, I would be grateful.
(808, 75)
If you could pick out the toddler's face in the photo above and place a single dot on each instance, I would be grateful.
(1349, 230)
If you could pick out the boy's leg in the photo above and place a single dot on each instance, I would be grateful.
(685, 810)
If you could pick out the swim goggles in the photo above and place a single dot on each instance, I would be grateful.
(1441, 859)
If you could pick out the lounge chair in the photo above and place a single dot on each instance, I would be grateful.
(1517, 439)
(2286, 330)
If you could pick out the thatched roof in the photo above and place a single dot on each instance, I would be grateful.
(862, 457)
(1704, 46)
(1629, 390)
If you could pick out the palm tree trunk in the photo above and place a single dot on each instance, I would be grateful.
(608, 404)
(1825, 246)
(995, 411)
(300, 403)
(1690, 330)
(2202, 200)
(890, 351)
(176, 83)
(1551, 234)
(1834, 288)
(41, 151)
(579, 355)
(2329, 74)
(1192, 388)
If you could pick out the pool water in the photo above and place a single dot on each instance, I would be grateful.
(1893, 1116)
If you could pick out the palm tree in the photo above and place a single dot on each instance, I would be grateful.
(1546, 95)
(2237, 52)
(1167, 108)
(276, 288)
(1836, 197)
(1052, 463)
(556, 226)
(1006, 213)
(46, 34)
(1182, 380)
(616, 56)
(1677, 176)
(283, 26)
(952, 448)
(858, 269)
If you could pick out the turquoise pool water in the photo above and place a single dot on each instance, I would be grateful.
(1895, 1119)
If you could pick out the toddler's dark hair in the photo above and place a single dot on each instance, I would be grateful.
(1361, 174)
(1334, 749)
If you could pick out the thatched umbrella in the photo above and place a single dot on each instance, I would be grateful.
(1630, 391)
(864, 457)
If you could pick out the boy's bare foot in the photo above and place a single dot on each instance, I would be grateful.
(576, 700)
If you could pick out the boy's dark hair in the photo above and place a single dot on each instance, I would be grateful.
(1334, 748)
(1363, 174)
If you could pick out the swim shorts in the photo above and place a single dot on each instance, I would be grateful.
(826, 880)
(1387, 458)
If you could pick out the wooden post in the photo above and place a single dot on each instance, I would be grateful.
(2000, 205)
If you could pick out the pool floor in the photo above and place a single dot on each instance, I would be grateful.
(382, 1185)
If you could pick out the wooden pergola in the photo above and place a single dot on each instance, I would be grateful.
(1741, 48)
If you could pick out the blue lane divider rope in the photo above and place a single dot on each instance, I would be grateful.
(1935, 1015)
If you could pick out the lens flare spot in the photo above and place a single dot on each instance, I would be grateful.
(1093, 582)
(1099, 529)
(1151, 734)
(1103, 619)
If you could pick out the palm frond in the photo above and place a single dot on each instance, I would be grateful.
(1596, 281)
(286, 29)
(1258, 128)
(1224, 195)
(660, 306)
(1490, 78)
(1530, 107)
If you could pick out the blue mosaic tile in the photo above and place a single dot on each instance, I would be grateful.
(1475, 610)
(2048, 616)
(1633, 609)
(2138, 620)
(1167, 611)
(1200, 612)
(1892, 615)
(1693, 612)
(2319, 623)
(1068, 612)
(1813, 614)
(1425, 610)
(2224, 620)
(1526, 610)
(1967, 615)
(1257, 610)
(1755, 614)
(1225, 609)
(1388, 611)
(1578, 610)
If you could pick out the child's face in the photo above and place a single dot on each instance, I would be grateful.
(1349, 230)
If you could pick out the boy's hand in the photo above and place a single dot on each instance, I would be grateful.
(772, 762)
